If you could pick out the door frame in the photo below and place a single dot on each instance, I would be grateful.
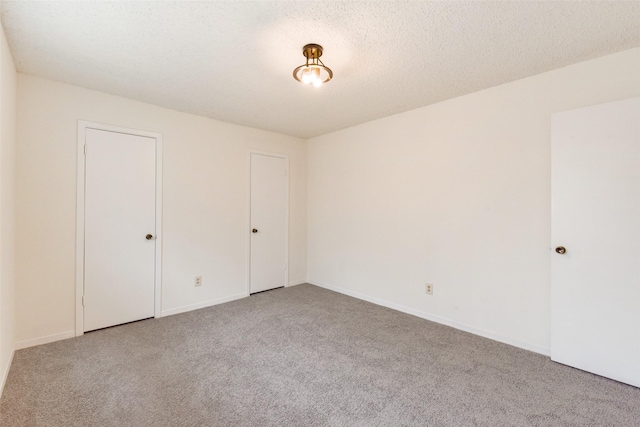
(286, 215)
(80, 212)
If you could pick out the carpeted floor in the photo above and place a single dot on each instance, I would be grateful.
(301, 356)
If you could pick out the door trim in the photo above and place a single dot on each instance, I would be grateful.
(80, 206)
(286, 215)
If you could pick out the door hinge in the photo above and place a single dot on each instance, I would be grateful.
(85, 149)
(83, 300)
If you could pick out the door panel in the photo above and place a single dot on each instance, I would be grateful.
(120, 178)
(596, 216)
(268, 217)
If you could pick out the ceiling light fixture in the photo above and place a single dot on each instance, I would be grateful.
(313, 72)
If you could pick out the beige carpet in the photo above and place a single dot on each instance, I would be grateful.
(301, 356)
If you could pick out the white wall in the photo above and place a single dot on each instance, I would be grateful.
(456, 194)
(205, 184)
(8, 86)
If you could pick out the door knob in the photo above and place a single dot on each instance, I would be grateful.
(149, 236)
(255, 230)
(561, 250)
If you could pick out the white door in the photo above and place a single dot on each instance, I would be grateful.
(596, 218)
(120, 222)
(268, 222)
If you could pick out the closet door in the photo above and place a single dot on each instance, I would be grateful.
(120, 223)
(268, 222)
(596, 237)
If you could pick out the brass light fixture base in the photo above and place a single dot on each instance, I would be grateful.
(312, 51)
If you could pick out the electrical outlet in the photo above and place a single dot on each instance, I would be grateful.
(429, 289)
(198, 281)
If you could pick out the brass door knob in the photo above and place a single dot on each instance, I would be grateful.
(149, 236)
(561, 250)
(255, 230)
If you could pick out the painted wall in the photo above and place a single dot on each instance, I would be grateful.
(456, 194)
(205, 188)
(8, 87)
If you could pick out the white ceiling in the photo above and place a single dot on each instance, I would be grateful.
(233, 61)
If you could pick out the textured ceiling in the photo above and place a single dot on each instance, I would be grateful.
(232, 61)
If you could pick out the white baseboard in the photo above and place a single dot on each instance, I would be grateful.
(435, 318)
(203, 304)
(5, 374)
(45, 340)
(297, 282)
